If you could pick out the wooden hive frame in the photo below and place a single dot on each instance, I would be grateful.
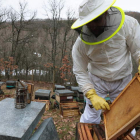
(124, 114)
(86, 131)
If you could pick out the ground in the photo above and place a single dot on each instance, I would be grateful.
(66, 127)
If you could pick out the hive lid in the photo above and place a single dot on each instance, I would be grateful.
(75, 88)
(125, 111)
(64, 92)
(59, 86)
(42, 91)
(10, 81)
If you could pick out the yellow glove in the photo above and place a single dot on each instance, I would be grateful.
(97, 101)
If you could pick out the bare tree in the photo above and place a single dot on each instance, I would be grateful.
(53, 26)
(22, 33)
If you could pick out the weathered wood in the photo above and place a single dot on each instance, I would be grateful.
(30, 89)
(80, 132)
(101, 130)
(83, 132)
(125, 111)
(88, 132)
(97, 133)
(69, 109)
(95, 136)
(61, 99)
(45, 101)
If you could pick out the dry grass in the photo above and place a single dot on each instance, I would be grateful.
(66, 128)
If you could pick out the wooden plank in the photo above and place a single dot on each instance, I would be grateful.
(83, 132)
(101, 130)
(88, 132)
(80, 132)
(70, 113)
(31, 90)
(57, 98)
(97, 133)
(69, 104)
(124, 113)
(95, 136)
(69, 109)
(130, 137)
(45, 101)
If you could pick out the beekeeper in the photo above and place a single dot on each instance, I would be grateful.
(102, 53)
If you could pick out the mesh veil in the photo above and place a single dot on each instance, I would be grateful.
(113, 23)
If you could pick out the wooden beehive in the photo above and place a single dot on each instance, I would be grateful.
(45, 101)
(61, 99)
(125, 111)
(86, 131)
(69, 109)
(64, 96)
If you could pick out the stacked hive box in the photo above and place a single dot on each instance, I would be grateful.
(65, 100)
(80, 96)
(75, 90)
(42, 95)
(64, 96)
(68, 85)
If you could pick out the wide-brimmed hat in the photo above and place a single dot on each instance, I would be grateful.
(90, 10)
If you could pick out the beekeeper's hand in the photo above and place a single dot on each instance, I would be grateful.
(97, 101)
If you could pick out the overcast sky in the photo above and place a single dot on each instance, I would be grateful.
(129, 5)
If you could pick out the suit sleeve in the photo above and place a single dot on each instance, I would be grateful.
(133, 38)
(80, 63)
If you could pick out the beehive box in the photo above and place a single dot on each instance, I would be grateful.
(69, 109)
(45, 101)
(86, 131)
(75, 90)
(63, 96)
(125, 111)
(80, 96)
(42, 94)
(10, 84)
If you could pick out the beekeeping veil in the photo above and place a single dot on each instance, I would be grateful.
(90, 10)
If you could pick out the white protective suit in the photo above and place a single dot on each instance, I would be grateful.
(110, 60)
(106, 66)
